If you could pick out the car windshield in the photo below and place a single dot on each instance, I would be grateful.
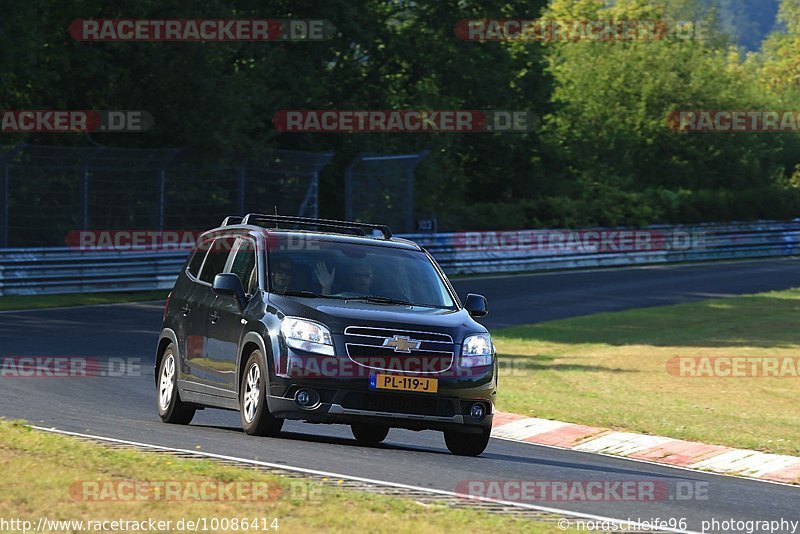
(311, 267)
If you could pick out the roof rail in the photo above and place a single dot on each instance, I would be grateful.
(232, 219)
(350, 227)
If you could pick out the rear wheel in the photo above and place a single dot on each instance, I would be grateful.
(170, 407)
(369, 433)
(464, 444)
(256, 419)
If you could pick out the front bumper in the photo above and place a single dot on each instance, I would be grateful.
(335, 412)
(344, 396)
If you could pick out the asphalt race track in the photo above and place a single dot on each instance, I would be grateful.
(124, 407)
(526, 299)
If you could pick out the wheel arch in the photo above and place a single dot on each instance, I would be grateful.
(166, 337)
(250, 342)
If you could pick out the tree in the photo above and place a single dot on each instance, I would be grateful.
(613, 99)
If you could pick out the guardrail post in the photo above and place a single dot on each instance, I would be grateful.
(85, 196)
(4, 208)
(162, 179)
(348, 187)
(310, 199)
(85, 186)
(5, 205)
(410, 189)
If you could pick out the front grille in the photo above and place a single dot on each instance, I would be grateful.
(434, 353)
(401, 404)
(371, 331)
(418, 361)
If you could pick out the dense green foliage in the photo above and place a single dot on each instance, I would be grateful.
(603, 155)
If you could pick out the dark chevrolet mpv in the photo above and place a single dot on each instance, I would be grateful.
(325, 322)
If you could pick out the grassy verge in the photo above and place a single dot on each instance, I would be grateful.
(30, 302)
(610, 370)
(48, 473)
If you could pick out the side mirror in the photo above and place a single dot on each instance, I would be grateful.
(229, 284)
(476, 305)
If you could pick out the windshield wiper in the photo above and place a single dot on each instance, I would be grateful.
(308, 294)
(382, 300)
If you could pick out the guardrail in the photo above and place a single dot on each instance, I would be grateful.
(67, 270)
(41, 271)
(544, 250)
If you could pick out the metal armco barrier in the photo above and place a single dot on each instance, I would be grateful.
(545, 250)
(41, 271)
(65, 270)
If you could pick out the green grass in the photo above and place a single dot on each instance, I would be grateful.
(47, 471)
(609, 370)
(30, 302)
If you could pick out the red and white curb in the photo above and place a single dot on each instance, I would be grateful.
(657, 449)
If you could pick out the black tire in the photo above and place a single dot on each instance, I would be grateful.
(369, 433)
(256, 421)
(464, 444)
(170, 407)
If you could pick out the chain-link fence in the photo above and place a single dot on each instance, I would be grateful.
(48, 191)
(381, 188)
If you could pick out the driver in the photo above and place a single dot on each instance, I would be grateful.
(282, 275)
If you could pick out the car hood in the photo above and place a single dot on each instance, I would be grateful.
(339, 314)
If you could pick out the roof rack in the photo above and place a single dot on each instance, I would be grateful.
(232, 219)
(348, 227)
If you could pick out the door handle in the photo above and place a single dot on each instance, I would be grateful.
(185, 310)
(214, 317)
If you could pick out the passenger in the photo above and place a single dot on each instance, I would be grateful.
(359, 280)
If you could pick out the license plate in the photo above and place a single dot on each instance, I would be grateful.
(404, 383)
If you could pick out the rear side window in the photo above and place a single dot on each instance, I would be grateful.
(216, 258)
(197, 259)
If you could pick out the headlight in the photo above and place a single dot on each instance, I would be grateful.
(477, 351)
(308, 336)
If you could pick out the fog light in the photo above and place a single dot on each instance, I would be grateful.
(306, 398)
(477, 412)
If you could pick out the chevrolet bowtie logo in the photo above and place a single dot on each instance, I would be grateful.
(401, 343)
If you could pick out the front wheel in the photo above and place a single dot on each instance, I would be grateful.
(170, 407)
(464, 444)
(256, 419)
(369, 433)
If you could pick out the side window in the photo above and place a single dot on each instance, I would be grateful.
(216, 259)
(244, 265)
(197, 259)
